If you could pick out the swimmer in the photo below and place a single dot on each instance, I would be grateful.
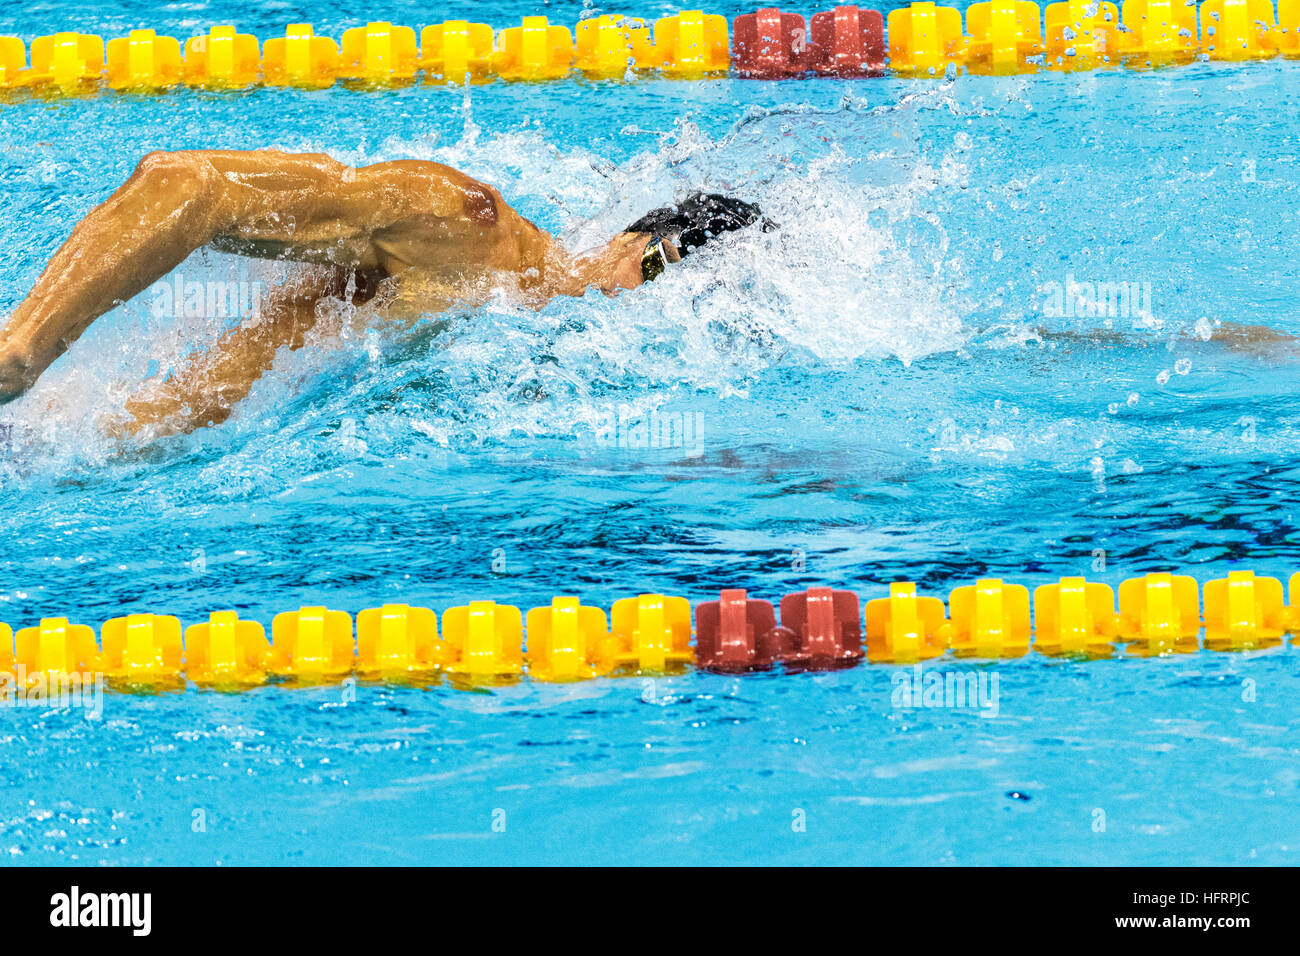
(412, 237)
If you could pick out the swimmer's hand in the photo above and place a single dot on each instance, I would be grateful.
(15, 375)
(163, 411)
(1259, 339)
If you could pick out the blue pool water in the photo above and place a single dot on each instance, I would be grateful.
(882, 389)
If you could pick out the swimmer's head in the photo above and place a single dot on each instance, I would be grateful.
(693, 222)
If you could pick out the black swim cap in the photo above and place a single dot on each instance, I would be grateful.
(699, 218)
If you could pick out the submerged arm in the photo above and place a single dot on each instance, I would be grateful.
(206, 387)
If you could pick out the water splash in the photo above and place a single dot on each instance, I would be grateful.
(858, 270)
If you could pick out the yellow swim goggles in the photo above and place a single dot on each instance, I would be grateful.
(656, 257)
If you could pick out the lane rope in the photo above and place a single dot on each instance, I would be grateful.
(921, 40)
(817, 629)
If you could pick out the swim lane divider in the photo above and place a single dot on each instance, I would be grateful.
(482, 643)
(923, 39)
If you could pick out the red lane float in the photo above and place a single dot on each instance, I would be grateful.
(827, 628)
(852, 41)
(739, 633)
(771, 45)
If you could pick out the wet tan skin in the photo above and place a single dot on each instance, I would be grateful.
(416, 236)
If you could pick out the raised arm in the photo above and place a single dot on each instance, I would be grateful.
(264, 203)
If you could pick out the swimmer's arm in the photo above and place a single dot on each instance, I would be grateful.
(288, 206)
(173, 204)
(1235, 335)
(209, 384)
(1255, 338)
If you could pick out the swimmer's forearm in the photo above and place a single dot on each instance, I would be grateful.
(205, 389)
(139, 234)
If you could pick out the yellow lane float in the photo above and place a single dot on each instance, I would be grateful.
(1238, 29)
(398, 639)
(564, 640)
(300, 58)
(1083, 35)
(312, 643)
(13, 60)
(924, 39)
(1162, 32)
(455, 50)
(55, 649)
(990, 620)
(1160, 614)
(535, 50)
(1004, 36)
(692, 45)
(65, 62)
(651, 634)
(1243, 612)
(484, 642)
(904, 628)
(1288, 27)
(1075, 617)
(225, 651)
(223, 58)
(379, 54)
(142, 649)
(143, 61)
(610, 46)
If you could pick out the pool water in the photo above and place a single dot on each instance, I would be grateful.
(906, 380)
